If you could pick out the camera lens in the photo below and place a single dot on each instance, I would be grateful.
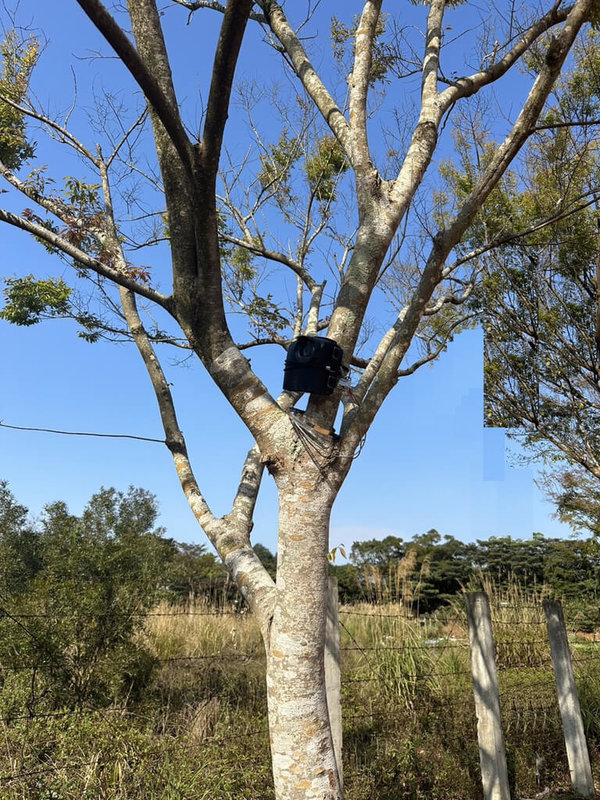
(305, 349)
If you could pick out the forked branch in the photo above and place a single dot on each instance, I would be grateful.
(409, 320)
(469, 85)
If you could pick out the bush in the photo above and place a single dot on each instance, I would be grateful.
(75, 591)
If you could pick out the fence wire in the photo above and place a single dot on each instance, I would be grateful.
(411, 663)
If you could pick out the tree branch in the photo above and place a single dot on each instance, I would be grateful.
(174, 438)
(64, 133)
(315, 87)
(360, 80)
(165, 107)
(194, 5)
(440, 347)
(86, 261)
(514, 237)
(139, 122)
(53, 206)
(245, 498)
(445, 240)
(228, 48)
(450, 299)
(375, 362)
(230, 535)
(260, 342)
(578, 123)
(312, 322)
(273, 255)
(431, 62)
(470, 85)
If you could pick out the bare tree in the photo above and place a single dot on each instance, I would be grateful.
(215, 229)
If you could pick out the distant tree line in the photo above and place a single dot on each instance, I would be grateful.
(115, 543)
(429, 569)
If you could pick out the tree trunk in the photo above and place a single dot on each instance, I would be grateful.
(304, 765)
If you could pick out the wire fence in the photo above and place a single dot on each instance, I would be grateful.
(393, 667)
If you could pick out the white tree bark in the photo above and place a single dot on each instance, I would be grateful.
(304, 764)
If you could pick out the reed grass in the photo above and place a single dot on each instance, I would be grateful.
(400, 583)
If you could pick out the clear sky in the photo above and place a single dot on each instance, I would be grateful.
(427, 463)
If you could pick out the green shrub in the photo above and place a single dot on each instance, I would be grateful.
(73, 597)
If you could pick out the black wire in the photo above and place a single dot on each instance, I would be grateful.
(429, 648)
(18, 775)
(74, 712)
(144, 614)
(233, 656)
(83, 433)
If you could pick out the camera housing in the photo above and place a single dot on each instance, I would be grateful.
(313, 364)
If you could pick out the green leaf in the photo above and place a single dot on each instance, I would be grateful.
(18, 58)
(276, 166)
(324, 166)
(28, 299)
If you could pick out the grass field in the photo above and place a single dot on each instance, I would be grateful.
(198, 729)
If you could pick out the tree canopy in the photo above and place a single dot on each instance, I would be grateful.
(74, 592)
(427, 571)
(539, 235)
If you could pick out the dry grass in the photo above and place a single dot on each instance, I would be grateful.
(400, 585)
(198, 631)
(519, 625)
(410, 659)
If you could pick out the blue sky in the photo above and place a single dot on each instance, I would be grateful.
(427, 463)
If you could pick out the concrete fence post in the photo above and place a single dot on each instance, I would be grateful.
(333, 675)
(568, 701)
(492, 753)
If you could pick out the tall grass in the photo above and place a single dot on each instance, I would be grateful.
(200, 729)
(409, 658)
(198, 630)
(518, 622)
(211, 669)
(400, 584)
